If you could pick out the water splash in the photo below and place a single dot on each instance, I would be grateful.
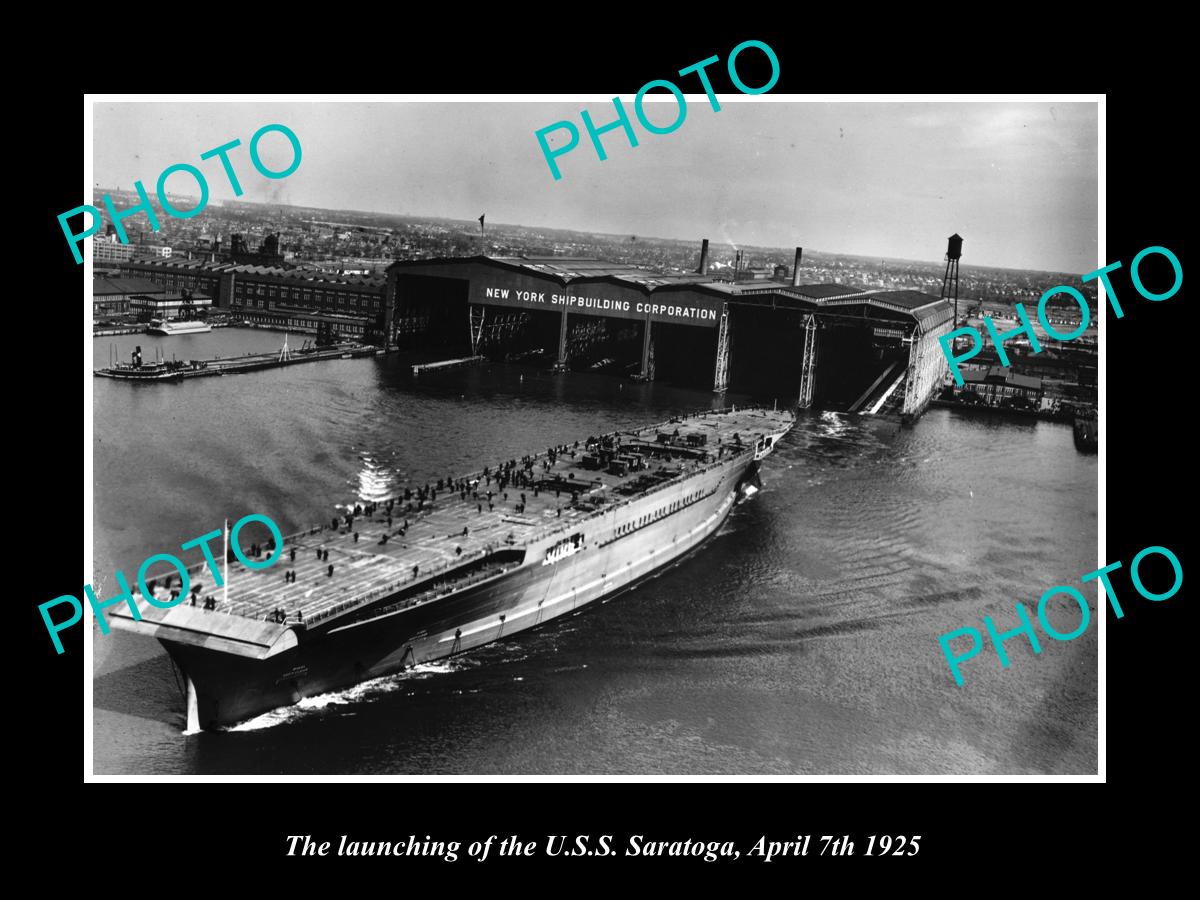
(365, 691)
(376, 481)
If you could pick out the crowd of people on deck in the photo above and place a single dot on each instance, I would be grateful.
(514, 472)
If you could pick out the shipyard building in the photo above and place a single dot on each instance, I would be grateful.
(274, 297)
(819, 345)
(764, 333)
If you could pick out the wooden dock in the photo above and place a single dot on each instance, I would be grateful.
(235, 364)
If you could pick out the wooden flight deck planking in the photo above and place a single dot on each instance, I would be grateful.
(368, 567)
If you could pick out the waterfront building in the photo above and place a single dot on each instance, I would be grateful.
(168, 306)
(111, 296)
(1000, 386)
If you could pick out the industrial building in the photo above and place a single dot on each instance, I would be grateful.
(1000, 386)
(254, 287)
(301, 300)
(107, 250)
(104, 252)
(307, 321)
(193, 275)
(275, 297)
(826, 345)
(110, 296)
(168, 306)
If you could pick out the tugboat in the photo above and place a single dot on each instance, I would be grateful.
(1087, 431)
(135, 369)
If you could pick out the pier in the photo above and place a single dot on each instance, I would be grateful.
(232, 365)
(444, 364)
(113, 330)
(138, 328)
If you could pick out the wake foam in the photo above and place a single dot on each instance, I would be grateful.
(363, 691)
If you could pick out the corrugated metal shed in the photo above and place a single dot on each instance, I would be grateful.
(928, 311)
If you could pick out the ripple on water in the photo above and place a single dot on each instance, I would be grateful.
(803, 638)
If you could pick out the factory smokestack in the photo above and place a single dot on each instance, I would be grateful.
(703, 270)
(796, 267)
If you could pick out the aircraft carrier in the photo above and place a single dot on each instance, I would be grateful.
(455, 564)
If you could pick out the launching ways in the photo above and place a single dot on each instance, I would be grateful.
(867, 352)
(889, 380)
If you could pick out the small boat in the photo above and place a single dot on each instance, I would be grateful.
(136, 370)
(177, 326)
(162, 372)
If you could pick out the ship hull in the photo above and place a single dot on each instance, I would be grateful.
(231, 689)
(1085, 434)
(136, 376)
(171, 328)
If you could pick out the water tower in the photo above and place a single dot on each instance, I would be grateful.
(950, 279)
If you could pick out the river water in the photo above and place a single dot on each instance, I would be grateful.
(801, 639)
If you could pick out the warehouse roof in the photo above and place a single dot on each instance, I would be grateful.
(1000, 375)
(177, 264)
(106, 287)
(928, 310)
(170, 299)
(905, 299)
(807, 291)
(824, 291)
(310, 276)
(575, 267)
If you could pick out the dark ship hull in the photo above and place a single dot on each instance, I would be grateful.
(637, 505)
(230, 689)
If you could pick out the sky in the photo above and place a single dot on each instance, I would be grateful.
(1017, 180)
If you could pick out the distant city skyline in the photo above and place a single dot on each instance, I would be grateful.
(889, 180)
